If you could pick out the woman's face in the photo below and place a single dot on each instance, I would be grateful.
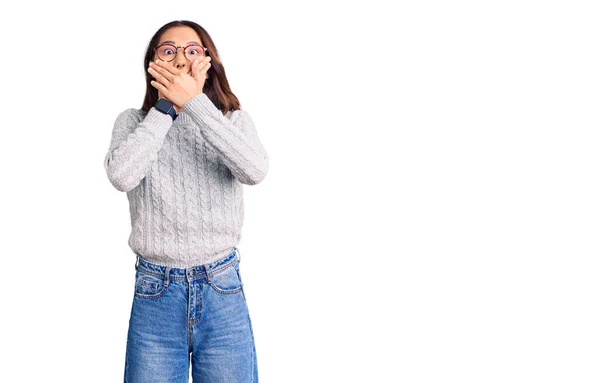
(179, 37)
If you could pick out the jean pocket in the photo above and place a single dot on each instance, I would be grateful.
(148, 286)
(227, 280)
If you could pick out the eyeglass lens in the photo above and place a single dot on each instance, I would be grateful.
(168, 52)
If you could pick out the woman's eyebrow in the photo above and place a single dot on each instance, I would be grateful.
(173, 42)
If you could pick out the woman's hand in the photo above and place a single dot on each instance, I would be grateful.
(160, 95)
(177, 86)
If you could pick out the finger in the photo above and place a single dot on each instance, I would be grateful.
(198, 64)
(158, 76)
(196, 68)
(168, 69)
(161, 88)
(161, 74)
(204, 68)
(163, 70)
(206, 63)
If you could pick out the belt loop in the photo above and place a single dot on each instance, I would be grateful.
(167, 271)
(239, 255)
(137, 261)
(208, 274)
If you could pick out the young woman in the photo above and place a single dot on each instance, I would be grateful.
(182, 159)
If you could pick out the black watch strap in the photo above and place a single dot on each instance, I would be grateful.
(166, 107)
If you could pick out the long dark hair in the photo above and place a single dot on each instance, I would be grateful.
(216, 86)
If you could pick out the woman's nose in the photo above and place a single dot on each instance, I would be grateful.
(180, 59)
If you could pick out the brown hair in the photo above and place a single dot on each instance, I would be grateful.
(216, 86)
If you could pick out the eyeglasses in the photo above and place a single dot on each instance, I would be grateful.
(168, 52)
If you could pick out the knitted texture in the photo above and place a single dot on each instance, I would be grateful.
(184, 179)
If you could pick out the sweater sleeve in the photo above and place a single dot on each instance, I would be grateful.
(134, 146)
(235, 141)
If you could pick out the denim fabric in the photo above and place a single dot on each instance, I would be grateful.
(198, 316)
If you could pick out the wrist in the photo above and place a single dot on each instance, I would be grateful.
(167, 107)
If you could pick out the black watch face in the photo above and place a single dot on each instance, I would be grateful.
(164, 105)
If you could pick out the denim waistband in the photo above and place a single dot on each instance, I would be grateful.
(179, 275)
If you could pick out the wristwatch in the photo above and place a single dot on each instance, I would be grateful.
(165, 106)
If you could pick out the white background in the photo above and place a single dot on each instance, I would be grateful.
(431, 211)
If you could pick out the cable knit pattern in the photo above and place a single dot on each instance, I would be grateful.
(184, 179)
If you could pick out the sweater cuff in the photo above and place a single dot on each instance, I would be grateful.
(158, 122)
(202, 107)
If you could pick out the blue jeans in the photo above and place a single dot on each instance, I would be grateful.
(196, 316)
